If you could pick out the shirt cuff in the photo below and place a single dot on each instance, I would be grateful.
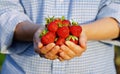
(8, 22)
(113, 42)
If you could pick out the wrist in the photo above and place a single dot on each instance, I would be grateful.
(25, 30)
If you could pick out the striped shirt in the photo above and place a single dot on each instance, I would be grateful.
(21, 58)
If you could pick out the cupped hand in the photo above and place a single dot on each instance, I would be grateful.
(48, 51)
(65, 52)
(71, 50)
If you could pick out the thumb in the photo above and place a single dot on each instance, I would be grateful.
(83, 40)
(40, 45)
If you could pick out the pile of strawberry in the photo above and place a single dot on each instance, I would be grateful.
(58, 30)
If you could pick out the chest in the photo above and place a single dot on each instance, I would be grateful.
(80, 10)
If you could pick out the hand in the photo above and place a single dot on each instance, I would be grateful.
(71, 50)
(49, 51)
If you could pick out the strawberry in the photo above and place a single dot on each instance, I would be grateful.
(72, 38)
(65, 22)
(63, 32)
(49, 37)
(60, 41)
(75, 29)
(52, 26)
(61, 28)
(58, 21)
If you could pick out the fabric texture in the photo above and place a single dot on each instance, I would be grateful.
(21, 58)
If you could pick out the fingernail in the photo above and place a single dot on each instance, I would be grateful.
(40, 45)
(67, 42)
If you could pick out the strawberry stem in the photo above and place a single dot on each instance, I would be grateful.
(71, 37)
(63, 18)
(49, 19)
(74, 23)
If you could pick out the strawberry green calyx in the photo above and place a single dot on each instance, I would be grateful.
(74, 23)
(59, 21)
(64, 22)
(63, 18)
(49, 19)
(71, 37)
(60, 25)
(43, 32)
(56, 39)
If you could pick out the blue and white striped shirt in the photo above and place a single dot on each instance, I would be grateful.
(21, 58)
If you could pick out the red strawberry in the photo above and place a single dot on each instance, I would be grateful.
(63, 31)
(60, 41)
(52, 26)
(75, 30)
(72, 38)
(65, 22)
(58, 21)
(49, 37)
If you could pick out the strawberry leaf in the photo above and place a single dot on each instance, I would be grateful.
(43, 32)
(74, 23)
(63, 18)
(72, 37)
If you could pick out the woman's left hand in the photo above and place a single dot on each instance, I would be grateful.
(71, 50)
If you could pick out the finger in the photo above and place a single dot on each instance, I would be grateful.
(52, 53)
(61, 59)
(60, 51)
(37, 45)
(40, 45)
(64, 56)
(50, 46)
(83, 40)
(51, 56)
(47, 48)
(36, 38)
(68, 51)
(37, 50)
(75, 48)
(55, 50)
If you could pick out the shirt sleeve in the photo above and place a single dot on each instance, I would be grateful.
(11, 13)
(110, 8)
